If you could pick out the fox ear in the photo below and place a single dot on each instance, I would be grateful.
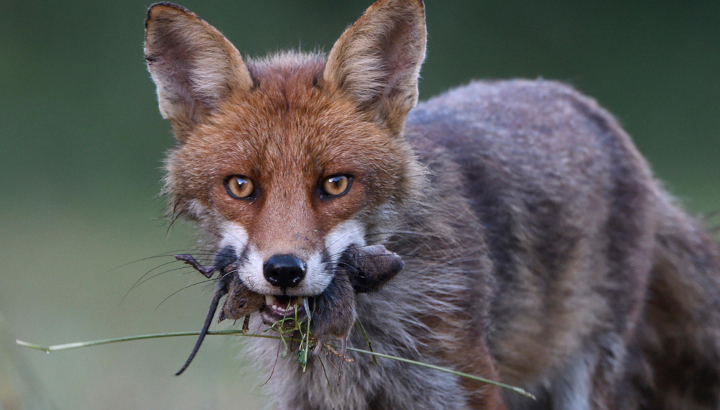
(194, 67)
(376, 62)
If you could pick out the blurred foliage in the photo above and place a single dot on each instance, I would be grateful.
(81, 145)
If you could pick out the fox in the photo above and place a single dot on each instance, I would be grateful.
(530, 242)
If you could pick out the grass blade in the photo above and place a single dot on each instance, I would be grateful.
(76, 345)
(367, 339)
(442, 369)
(54, 348)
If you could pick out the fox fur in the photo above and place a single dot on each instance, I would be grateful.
(539, 250)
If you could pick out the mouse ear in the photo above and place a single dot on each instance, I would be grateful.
(194, 67)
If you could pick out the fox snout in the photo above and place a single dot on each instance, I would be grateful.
(284, 271)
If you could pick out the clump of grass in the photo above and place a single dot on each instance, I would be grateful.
(292, 326)
(298, 329)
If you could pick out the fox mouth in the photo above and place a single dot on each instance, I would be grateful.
(277, 308)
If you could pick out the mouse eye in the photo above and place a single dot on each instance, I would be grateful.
(336, 185)
(239, 187)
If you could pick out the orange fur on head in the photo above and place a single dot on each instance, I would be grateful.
(287, 121)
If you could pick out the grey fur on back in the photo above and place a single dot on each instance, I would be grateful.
(565, 202)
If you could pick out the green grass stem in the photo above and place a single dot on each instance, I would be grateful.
(67, 346)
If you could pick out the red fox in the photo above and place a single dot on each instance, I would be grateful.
(530, 243)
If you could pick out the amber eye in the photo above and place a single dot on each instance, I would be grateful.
(336, 185)
(237, 186)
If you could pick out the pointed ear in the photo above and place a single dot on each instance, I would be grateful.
(194, 67)
(377, 60)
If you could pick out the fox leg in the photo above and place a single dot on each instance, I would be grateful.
(572, 389)
(589, 381)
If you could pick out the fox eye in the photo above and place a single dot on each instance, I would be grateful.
(237, 186)
(336, 185)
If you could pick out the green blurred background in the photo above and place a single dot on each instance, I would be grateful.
(81, 145)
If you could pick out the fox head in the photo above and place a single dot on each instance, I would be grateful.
(291, 159)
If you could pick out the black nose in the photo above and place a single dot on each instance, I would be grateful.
(284, 271)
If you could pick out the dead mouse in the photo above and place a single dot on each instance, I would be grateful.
(240, 302)
(361, 269)
(334, 314)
